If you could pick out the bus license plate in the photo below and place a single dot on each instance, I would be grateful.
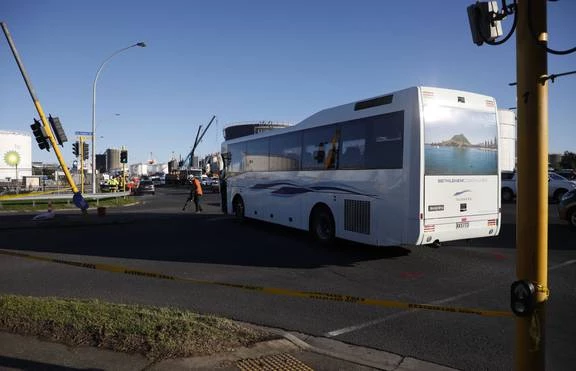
(462, 225)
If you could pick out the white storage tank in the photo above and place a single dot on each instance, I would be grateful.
(15, 155)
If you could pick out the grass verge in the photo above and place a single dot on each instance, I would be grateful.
(157, 333)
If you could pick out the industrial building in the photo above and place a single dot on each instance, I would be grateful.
(15, 155)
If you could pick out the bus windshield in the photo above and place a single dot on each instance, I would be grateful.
(460, 141)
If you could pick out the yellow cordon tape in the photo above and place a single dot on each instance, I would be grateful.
(268, 290)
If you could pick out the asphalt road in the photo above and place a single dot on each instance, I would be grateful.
(157, 236)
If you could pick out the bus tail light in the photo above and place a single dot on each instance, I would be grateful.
(492, 222)
(429, 228)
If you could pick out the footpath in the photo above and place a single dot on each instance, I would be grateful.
(290, 351)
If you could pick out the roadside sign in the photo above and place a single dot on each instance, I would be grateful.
(83, 133)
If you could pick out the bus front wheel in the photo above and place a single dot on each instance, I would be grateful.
(322, 225)
(238, 207)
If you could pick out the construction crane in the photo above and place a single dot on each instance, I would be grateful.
(181, 174)
(187, 163)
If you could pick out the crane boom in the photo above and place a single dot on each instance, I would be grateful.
(190, 158)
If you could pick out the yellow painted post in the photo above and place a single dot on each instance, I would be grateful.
(81, 150)
(123, 174)
(36, 102)
(532, 197)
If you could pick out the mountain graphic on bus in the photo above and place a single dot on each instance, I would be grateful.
(460, 140)
(457, 156)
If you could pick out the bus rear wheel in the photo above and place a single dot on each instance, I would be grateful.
(322, 225)
(238, 207)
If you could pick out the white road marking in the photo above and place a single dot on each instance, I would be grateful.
(435, 302)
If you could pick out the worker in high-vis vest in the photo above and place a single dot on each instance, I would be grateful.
(195, 194)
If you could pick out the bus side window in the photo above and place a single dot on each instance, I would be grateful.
(352, 157)
(331, 161)
(317, 143)
(320, 154)
(384, 150)
(353, 145)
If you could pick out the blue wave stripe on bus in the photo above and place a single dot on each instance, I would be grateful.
(270, 185)
(293, 189)
(331, 188)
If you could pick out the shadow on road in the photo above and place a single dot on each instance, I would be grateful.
(199, 238)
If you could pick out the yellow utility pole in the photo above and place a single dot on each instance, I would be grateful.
(81, 149)
(123, 174)
(36, 102)
(532, 197)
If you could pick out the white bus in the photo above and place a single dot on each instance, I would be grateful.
(418, 166)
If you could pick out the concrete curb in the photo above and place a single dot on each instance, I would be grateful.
(368, 357)
(32, 352)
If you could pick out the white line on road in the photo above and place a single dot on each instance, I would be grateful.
(399, 314)
(435, 302)
(561, 265)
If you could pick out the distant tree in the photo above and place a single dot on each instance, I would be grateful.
(568, 160)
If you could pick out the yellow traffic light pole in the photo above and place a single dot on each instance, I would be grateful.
(532, 197)
(45, 124)
(81, 149)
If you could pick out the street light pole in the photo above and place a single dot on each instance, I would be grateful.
(140, 44)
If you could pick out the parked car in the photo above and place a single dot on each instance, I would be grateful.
(145, 186)
(569, 174)
(557, 186)
(567, 208)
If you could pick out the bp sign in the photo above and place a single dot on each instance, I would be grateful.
(12, 158)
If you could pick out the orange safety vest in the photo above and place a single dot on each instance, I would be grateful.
(198, 186)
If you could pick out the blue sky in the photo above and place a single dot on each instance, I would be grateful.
(249, 60)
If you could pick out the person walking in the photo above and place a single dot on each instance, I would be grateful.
(197, 188)
(195, 195)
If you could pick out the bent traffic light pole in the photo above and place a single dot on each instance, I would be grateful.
(78, 199)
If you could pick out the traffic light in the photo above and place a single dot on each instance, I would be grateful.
(85, 150)
(40, 134)
(76, 149)
(57, 130)
(123, 156)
